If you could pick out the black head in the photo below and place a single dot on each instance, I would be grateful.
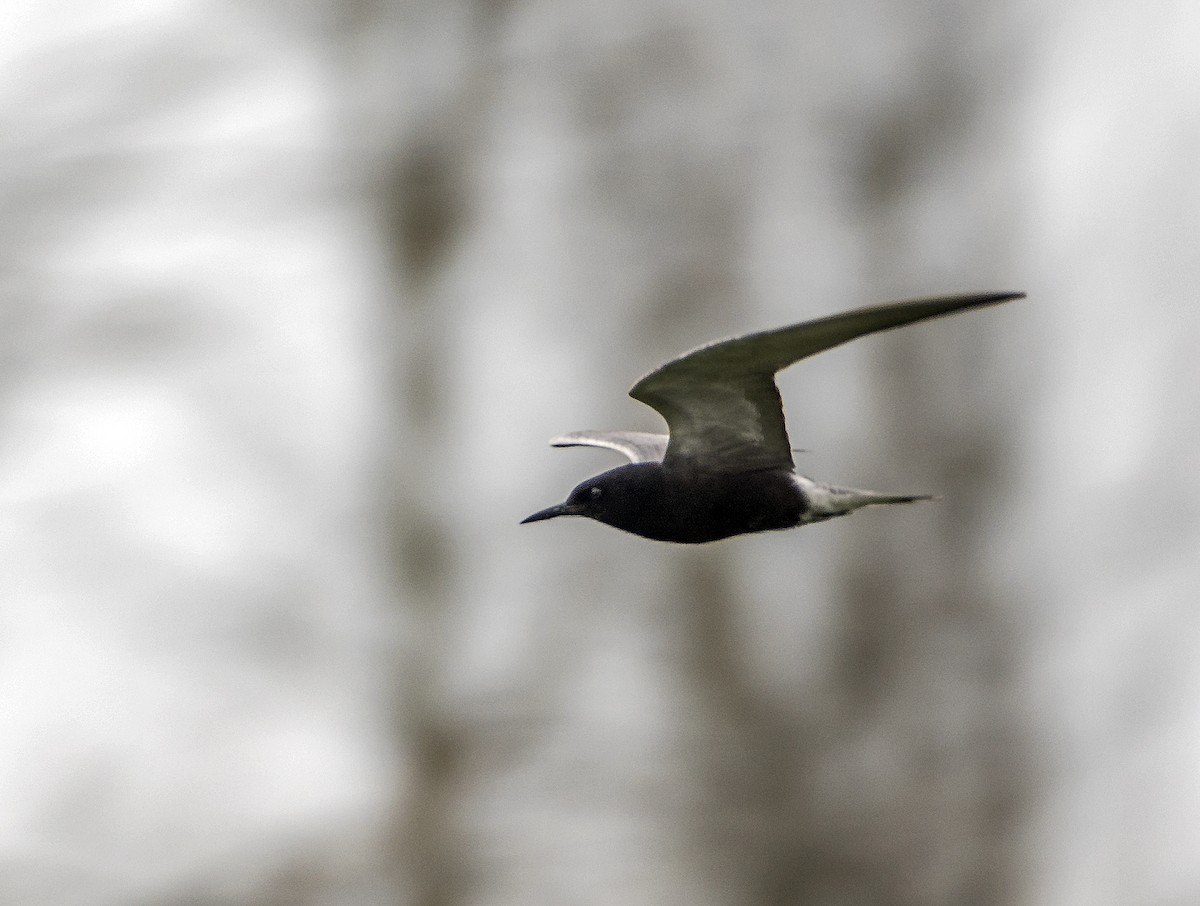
(623, 497)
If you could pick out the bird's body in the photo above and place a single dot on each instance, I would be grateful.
(726, 467)
(655, 502)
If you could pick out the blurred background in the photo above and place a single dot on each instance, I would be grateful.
(294, 295)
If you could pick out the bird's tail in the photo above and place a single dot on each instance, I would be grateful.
(826, 501)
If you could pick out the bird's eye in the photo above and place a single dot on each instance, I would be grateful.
(595, 493)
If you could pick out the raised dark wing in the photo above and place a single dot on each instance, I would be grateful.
(639, 446)
(721, 403)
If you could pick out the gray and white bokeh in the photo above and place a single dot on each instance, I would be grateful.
(293, 296)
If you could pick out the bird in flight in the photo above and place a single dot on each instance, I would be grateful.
(726, 466)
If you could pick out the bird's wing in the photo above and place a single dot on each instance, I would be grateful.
(721, 403)
(639, 446)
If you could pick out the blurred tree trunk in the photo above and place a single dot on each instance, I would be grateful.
(640, 149)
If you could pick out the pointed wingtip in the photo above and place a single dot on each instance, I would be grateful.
(981, 299)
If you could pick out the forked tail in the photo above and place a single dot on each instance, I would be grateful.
(826, 501)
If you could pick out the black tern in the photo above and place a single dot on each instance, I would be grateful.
(726, 466)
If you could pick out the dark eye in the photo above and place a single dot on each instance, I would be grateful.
(595, 493)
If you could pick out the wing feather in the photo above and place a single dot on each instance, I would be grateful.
(638, 446)
(721, 403)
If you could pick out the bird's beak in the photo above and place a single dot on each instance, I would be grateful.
(559, 509)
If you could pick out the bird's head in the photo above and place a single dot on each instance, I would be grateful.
(620, 497)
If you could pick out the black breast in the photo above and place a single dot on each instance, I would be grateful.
(708, 506)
